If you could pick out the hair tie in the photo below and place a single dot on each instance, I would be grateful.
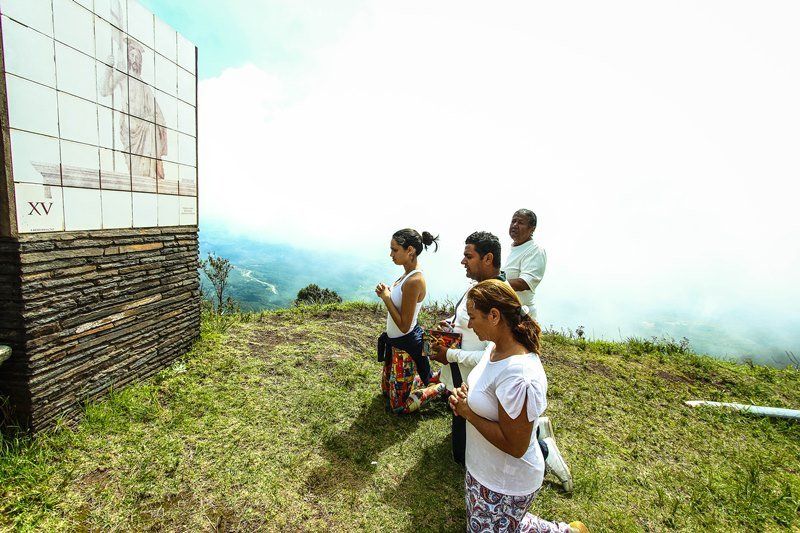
(523, 310)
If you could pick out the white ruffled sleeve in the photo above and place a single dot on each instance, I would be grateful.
(516, 391)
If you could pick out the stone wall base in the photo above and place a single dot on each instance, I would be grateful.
(85, 312)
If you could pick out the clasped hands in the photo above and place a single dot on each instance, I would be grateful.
(382, 291)
(458, 401)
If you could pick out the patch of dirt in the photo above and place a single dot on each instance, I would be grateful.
(353, 316)
(221, 519)
(347, 332)
(593, 367)
(674, 378)
(262, 340)
(97, 478)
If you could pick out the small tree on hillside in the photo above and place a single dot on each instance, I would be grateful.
(216, 270)
(314, 294)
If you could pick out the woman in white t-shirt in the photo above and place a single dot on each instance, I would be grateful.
(406, 381)
(504, 395)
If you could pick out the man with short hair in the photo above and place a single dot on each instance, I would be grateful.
(527, 260)
(524, 269)
(481, 262)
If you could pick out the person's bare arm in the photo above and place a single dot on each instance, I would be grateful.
(511, 435)
(518, 284)
(531, 272)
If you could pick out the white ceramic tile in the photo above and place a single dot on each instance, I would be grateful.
(39, 208)
(82, 209)
(144, 167)
(143, 173)
(166, 76)
(169, 184)
(186, 87)
(112, 88)
(76, 73)
(37, 14)
(187, 122)
(122, 135)
(171, 171)
(168, 107)
(115, 170)
(31, 106)
(166, 41)
(162, 133)
(109, 44)
(141, 23)
(74, 25)
(113, 11)
(113, 129)
(88, 4)
(77, 119)
(28, 53)
(141, 100)
(169, 150)
(141, 62)
(188, 178)
(143, 137)
(145, 210)
(117, 209)
(187, 173)
(80, 165)
(105, 127)
(169, 210)
(188, 211)
(149, 67)
(186, 55)
(35, 158)
(187, 150)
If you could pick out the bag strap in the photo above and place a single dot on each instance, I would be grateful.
(454, 369)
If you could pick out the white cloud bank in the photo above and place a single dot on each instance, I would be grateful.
(657, 143)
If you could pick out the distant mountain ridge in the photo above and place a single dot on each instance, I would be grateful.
(268, 275)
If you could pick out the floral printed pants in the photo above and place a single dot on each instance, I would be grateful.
(492, 511)
(402, 386)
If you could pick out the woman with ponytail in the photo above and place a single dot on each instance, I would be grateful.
(406, 381)
(504, 395)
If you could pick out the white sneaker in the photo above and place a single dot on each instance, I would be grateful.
(556, 464)
(544, 427)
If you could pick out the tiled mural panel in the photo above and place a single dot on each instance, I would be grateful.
(102, 116)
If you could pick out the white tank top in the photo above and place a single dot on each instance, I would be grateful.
(397, 299)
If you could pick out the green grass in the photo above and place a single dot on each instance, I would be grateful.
(275, 422)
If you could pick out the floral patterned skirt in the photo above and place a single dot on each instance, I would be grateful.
(402, 386)
(490, 511)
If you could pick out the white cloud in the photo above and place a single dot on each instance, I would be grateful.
(657, 143)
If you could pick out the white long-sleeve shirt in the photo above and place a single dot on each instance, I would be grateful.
(471, 351)
(527, 262)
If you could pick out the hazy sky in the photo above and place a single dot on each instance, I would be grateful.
(657, 142)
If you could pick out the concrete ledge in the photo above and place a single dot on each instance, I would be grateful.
(5, 353)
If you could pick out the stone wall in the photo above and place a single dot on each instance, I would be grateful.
(88, 311)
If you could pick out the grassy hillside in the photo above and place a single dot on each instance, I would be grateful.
(275, 422)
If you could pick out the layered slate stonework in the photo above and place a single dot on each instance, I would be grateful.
(85, 312)
(99, 284)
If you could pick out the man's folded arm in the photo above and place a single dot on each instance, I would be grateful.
(464, 357)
